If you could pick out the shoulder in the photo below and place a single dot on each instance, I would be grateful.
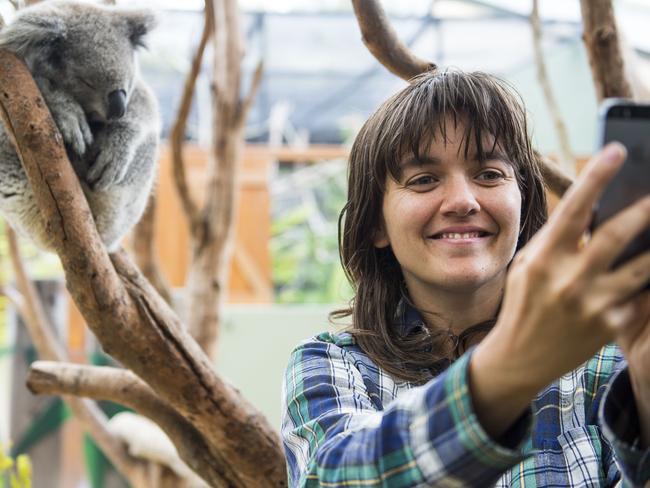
(326, 347)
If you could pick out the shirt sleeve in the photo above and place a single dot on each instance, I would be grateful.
(620, 422)
(335, 436)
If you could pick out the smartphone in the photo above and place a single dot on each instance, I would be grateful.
(628, 123)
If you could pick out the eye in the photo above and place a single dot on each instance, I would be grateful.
(490, 176)
(422, 182)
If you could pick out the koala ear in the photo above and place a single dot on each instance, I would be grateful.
(139, 23)
(40, 31)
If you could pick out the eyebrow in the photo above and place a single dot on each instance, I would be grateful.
(424, 160)
(413, 161)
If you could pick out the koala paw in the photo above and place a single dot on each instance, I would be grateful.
(108, 169)
(75, 129)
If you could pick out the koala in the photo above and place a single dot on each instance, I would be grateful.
(83, 58)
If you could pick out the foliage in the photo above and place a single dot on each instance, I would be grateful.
(18, 471)
(304, 234)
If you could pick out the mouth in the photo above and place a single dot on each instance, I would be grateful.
(460, 236)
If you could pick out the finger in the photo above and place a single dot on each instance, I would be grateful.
(610, 239)
(574, 211)
(87, 134)
(97, 169)
(625, 281)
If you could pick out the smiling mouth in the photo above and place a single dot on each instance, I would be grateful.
(460, 236)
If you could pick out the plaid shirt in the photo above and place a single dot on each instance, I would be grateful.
(347, 423)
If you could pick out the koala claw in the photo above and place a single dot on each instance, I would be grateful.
(108, 169)
(75, 131)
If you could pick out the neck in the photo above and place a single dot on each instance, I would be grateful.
(456, 309)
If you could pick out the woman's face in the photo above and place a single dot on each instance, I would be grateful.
(452, 222)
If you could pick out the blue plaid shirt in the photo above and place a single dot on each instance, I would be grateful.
(347, 423)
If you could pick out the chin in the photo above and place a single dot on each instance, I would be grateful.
(467, 281)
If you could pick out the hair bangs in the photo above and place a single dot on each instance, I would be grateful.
(492, 118)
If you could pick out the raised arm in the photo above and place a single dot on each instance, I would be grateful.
(340, 426)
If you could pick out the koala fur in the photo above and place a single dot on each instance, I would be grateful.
(83, 58)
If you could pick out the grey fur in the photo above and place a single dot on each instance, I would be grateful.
(79, 53)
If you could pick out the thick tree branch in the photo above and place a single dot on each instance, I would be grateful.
(567, 158)
(382, 41)
(603, 49)
(130, 320)
(177, 135)
(123, 387)
(144, 250)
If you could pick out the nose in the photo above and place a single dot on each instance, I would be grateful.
(459, 198)
(116, 104)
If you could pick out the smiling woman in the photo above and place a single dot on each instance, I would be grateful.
(478, 351)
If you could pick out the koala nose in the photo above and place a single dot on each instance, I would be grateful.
(116, 104)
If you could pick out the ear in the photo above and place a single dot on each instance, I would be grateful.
(139, 23)
(42, 30)
(380, 239)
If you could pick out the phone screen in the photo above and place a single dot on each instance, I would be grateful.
(631, 127)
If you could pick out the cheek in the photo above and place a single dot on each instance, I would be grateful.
(512, 211)
(406, 211)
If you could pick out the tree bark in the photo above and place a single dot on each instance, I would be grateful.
(603, 49)
(48, 347)
(130, 320)
(212, 228)
(123, 387)
(145, 253)
(382, 41)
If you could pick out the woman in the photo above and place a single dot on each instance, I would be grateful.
(478, 352)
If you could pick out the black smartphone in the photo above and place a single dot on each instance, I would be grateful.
(629, 124)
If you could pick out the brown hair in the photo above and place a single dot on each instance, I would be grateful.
(404, 124)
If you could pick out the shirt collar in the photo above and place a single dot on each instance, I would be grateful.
(408, 319)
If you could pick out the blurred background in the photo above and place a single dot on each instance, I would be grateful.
(319, 84)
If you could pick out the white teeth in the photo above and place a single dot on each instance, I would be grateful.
(455, 235)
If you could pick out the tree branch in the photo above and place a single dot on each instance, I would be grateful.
(382, 41)
(555, 179)
(177, 135)
(603, 49)
(130, 320)
(36, 320)
(48, 347)
(123, 387)
(567, 158)
(252, 92)
(144, 250)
